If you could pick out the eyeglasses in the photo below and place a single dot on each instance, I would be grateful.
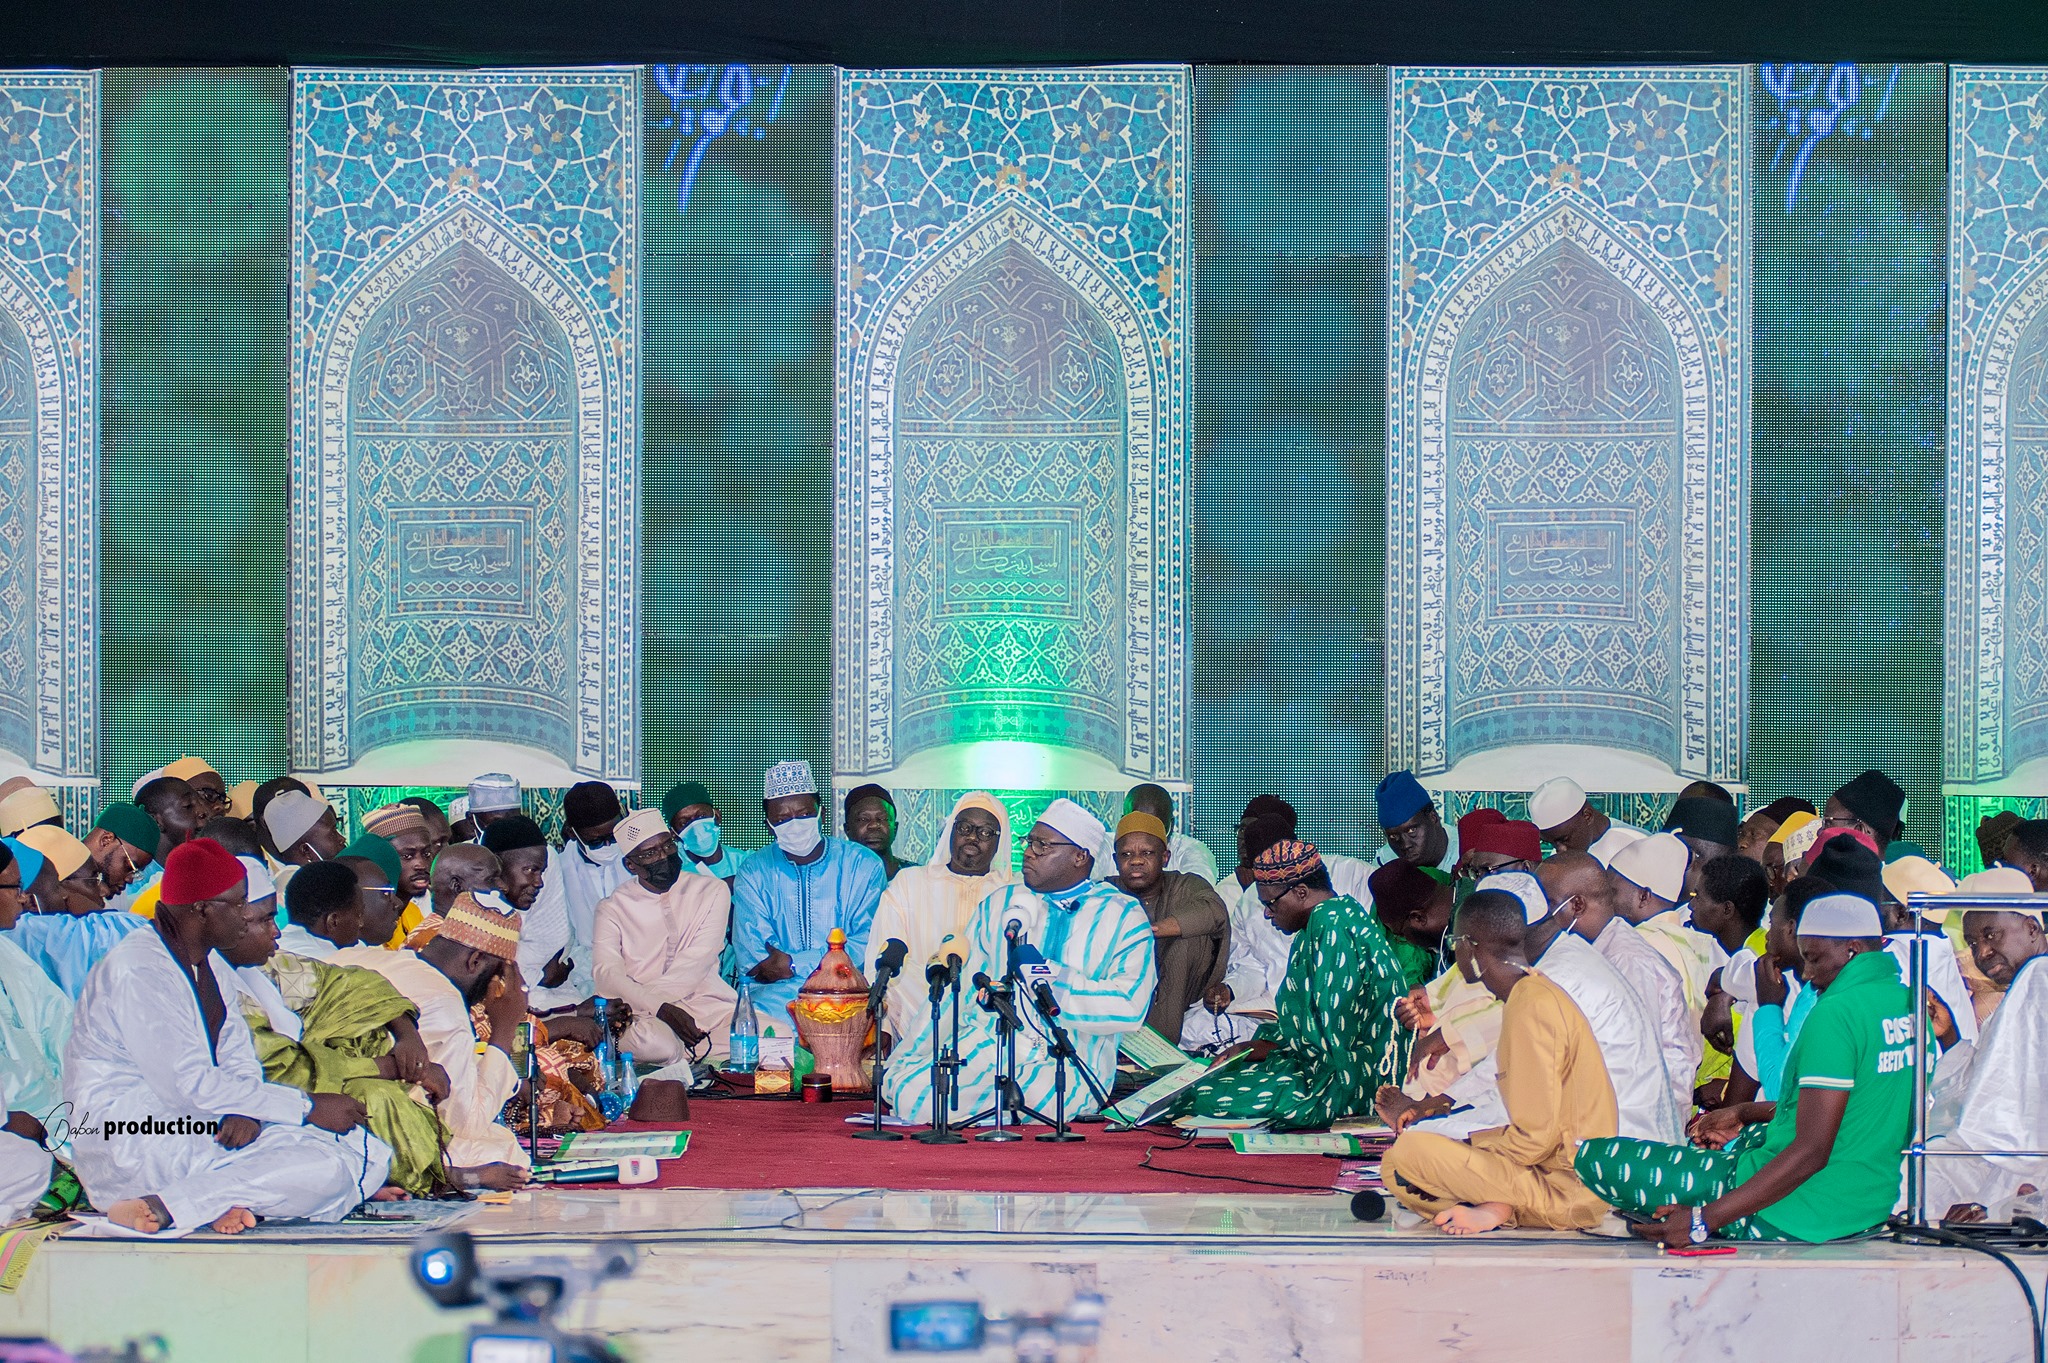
(377, 891)
(1451, 943)
(1034, 843)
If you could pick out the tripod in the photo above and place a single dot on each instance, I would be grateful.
(875, 1131)
(1062, 1048)
(945, 1065)
(1009, 1095)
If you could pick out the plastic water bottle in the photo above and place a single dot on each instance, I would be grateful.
(744, 1052)
(629, 1079)
(608, 1100)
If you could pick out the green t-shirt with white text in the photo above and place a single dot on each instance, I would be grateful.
(1858, 1040)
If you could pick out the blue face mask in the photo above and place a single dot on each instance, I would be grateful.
(700, 837)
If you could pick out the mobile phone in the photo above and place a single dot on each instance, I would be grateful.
(1699, 1251)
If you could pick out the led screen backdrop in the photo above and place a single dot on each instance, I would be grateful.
(1286, 454)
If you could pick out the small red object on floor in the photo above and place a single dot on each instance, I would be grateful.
(784, 1143)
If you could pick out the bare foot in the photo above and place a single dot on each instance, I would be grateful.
(391, 1192)
(145, 1214)
(234, 1221)
(493, 1177)
(1475, 1220)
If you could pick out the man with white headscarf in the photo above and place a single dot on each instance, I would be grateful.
(787, 898)
(1988, 1093)
(925, 906)
(1098, 943)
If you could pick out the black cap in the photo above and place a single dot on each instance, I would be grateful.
(1703, 817)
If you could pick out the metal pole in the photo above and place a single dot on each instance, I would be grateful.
(1916, 1153)
(1917, 905)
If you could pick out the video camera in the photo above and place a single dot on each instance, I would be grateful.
(526, 1296)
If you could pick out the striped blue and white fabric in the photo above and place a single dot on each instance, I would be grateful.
(1099, 943)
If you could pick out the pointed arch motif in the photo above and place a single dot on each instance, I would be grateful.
(1999, 720)
(1559, 666)
(500, 459)
(1096, 523)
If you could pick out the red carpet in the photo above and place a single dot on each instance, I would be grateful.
(783, 1143)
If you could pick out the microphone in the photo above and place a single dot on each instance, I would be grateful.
(994, 1001)
(1013, 929)
(945, 966)
(1035, 973)
(887, 966)
(1032, 965)
(1368, 1205)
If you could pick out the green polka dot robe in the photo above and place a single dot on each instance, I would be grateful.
(1334, 1038)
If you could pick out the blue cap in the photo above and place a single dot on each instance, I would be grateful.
(1401, 797)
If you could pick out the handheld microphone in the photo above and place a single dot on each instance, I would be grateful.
(887, 966)
(1048, 1006)
(1032, 966)
(945, 966)
(992, 1000)
(1013, 929)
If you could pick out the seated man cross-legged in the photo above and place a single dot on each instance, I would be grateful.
(1821, 1162)
(1552, 1081)
(1333, 1041)
(154, 1038)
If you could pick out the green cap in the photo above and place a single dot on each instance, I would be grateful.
(131, 825)
(373, 847)
(681, 796)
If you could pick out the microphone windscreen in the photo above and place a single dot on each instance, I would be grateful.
(893, 954)
(1368, 1205)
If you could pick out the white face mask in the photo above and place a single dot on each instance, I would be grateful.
(607, 855)
(798, 837)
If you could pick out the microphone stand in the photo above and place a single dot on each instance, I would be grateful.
(943, 1065)
(1063, 1051)
(875, 1132)
(1009, 1096)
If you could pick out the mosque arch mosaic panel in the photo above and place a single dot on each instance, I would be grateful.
(1996, 715)
(18, 443)
(1563, 582)
(1567, 530)
(1011, 478)
(49, 454)
(1011, 448)
(461, 456)
(466, 414)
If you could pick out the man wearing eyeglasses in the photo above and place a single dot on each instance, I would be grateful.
(1098, 943)
(122, 842)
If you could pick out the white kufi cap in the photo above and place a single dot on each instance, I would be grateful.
(788, 778)
(1840, 915)
(1075, 824)
(1613, 840)
(1656, 863)
(1523, 886)
(1555, 801)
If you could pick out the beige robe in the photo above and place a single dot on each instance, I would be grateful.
(1557, 1093)
(479, 1084)
(924, 905)
(651, 949)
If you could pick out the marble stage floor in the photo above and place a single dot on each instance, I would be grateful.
(1186, 1278)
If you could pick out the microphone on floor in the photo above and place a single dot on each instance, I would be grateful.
(1368, 1205)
